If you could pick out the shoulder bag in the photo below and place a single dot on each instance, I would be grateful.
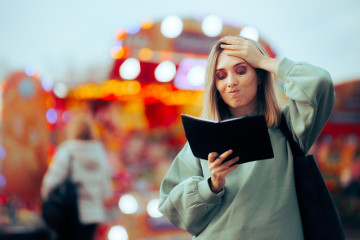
(319, 216)
(60, 210)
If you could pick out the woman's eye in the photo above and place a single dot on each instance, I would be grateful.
(241, 70)
(221, 75)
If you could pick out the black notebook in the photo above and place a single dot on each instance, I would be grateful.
(248, 137)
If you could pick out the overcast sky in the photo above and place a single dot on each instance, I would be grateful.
(69, 40)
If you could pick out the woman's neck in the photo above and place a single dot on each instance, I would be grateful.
(248, 111)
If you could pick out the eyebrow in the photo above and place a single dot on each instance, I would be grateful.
(236, 65)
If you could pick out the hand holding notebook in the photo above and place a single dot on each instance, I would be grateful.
(248, 137)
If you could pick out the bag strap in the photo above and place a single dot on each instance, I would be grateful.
(295, 148)
(70, 169)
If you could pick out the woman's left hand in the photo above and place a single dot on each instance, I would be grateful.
(247, 50)
(243, 48)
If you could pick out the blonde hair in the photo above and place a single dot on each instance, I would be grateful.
(216, 109)
(82, 127)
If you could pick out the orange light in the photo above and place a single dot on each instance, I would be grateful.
(133, 87)
(147, 23)
(109, 88)
(120, 34)
(49, 102)
(121, 53)
(165, 55)
(145, 54)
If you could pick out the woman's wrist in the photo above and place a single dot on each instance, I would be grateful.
(212, 188)
(270, 64)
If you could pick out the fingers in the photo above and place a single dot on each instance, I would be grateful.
(233, 41)
(214, 158)
(243, 48)
(219, 170)
(223, 156)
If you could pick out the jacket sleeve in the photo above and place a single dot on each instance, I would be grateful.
(107, 179)
(311, 95)
(56, 172)
(185, 196)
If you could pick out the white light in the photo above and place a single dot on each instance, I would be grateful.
(47, 84)
(171, 26)
(128, 204)
(118, 233)
(196, 76)
(152, 208)
(60, 90)
(250, 32)
(165, 71)
(130, 68)
(212, 26)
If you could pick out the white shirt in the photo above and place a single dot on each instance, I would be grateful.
(90, 169)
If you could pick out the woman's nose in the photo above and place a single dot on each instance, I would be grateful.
(231, 81)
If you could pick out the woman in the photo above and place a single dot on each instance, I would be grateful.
(256, 200)
(90, 169)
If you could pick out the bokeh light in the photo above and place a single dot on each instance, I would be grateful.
(26, 88)
(152, 208)
(120, 34)
(60, 90)
(2, 181)
(118, 233)
(133, 28)
(145, 54)
(47, 84)
(196, 76)
(130, 69)
(250, 32)
(165, 71)
(147, 23)
(2, 152)
(51, 115)
(30, 70)
(128, 204)
(212, 26)
(66, 116)
(171, 26)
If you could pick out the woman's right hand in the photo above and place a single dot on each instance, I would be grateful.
(219, 170)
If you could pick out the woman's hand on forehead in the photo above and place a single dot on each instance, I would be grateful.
(243, 48)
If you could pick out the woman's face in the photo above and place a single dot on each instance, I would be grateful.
(237, 83)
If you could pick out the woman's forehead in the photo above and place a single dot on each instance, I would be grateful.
(224, 60)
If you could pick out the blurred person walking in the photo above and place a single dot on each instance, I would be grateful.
(85, 156)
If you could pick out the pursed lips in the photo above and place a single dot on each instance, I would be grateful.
(234, 91)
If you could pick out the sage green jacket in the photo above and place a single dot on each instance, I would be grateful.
(258, 201)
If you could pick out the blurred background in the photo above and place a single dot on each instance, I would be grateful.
(135, 66)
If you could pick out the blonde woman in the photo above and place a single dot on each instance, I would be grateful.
(212, 199)
(90, 169)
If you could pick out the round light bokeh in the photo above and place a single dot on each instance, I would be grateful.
(47, 84)
(250, 32)
(196, 76)
(51, 116)
(130, 69)
(128, 204)
(152, 208)
(117, 233)
(60, 90)
(165, 71)
(171, 26)
(212, 26)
